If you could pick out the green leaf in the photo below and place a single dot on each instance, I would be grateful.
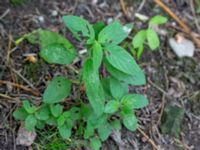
(56, 110)
(130, 121)
(74, 113)
(139, 39)
(61, 120)
(97, 55)
(105, 82)
(93, 87)
(112, 106)
(20, 114)
(117, 88)
(171, 120)
(48, 42)
(136, 79)
(95, 144)
(156, 20)
(85, 111)
(98, 26)
(51, 121)
(56, 54)
(104, 131)
(64, 131)
(30, 122)
(43, 113)
(113, 34)
(135, 101)
(116, 124)
(120, 59)
(30, 109)
(40, 124)
(152, 39)
(89, 131)
(57, 90)
(79, 25)
(140, 51)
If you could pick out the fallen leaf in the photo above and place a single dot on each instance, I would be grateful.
(171, 120)
(25, 137)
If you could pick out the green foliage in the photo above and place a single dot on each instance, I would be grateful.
(171, 120)
(148, 34)
(57, 90)
(107, 104)
(18, 2)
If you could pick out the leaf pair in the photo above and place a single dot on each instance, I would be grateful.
(148, 34)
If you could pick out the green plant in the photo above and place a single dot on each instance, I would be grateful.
(148, 34)
(18, 2)
(107, 102)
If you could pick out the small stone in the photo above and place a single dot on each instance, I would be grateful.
(54, 13)
(25, 137)
(41, 19)
(182, 47)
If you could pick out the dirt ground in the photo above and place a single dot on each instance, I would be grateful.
(171, 81)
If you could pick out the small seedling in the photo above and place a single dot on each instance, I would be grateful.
(107, 102)
(148, 34)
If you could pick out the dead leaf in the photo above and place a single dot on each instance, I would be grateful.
(25, 137)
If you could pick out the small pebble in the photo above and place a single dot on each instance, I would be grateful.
(41, 19)
(54, 13)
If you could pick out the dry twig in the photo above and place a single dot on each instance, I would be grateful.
(36, 93)
(148, 139)
(186, 29)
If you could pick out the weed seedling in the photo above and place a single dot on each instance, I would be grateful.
(107, 103)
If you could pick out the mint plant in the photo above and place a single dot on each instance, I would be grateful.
(107, 103)
(148, 35)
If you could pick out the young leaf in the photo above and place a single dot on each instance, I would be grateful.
(140, 51)
(117, 88)
(120, 59)
(64, 131)
(79, 25)
(139, 39)
(43, 113)
(74, 113)
(57, 90)
(113, 34)
(51, 121)
(104, 131)
(30, 109)
(95, 143)
(116, 125)
(56, 110)
(97, 55)
(136, 79)
(20, 114)
(171, 120)
(93, 87)
(112, 106)
(56, 54)
(97, 28)
(130, 121)
(156, 20)
(40, 124)
(30, 122)
(89, 131)
(152, 39)
(61, 120)
(135, 101)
